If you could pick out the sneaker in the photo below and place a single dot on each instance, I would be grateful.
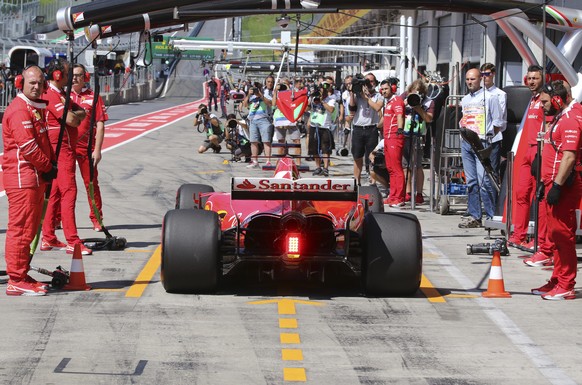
(515, 241)
(48, 246)
(558, 293)
(546, 288)
(471, 224)
(407, 197)
(32, 281)
(253, 165)
(317, 171)
(324, 172)
(527, 246)
(397, 204)
(539, 259)
(84, 250)
(419, 199)
(268, 164)
(23, 288)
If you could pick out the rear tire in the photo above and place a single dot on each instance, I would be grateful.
(375, 197)
(190, 244)
(392, 263)
(189, 193)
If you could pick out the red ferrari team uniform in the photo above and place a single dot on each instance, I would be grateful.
(27, 155)
(561, 217)
(64, 187)
(524, 185)
(85, 100)
(393, 148)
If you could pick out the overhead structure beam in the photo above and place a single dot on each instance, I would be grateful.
(83, 15)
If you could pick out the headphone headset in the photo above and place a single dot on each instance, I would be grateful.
(55, 70)
(19, 79)
(86, 74)
(556, 100)
(393, 84)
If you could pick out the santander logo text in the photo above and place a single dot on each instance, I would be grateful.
(289, 185)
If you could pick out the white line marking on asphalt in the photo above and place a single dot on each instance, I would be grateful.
(538, 357)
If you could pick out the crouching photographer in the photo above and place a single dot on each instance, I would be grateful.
(211, 125)
(378, 171)
(238, 141)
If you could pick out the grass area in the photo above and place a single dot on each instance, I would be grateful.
(258, 29)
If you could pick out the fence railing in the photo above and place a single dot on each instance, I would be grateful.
(141, 79)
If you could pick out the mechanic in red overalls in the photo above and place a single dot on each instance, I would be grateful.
(393, 124)
(29, 163)
(563, 186)
(83, 96)
(64, 188)
(524, 186)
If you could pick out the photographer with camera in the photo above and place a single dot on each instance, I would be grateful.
(393, 132)
(259, 105)
(238, 141)
(213, 90)
(214, 131)
(419, 112)
(323, 104)
(365, 103)
(283, 126)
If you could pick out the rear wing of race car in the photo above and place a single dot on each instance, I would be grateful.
(314, 189)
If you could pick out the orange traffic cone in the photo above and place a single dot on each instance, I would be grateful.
(77, 272)
(496, 287)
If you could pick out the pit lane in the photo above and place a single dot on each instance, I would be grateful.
(128, 330)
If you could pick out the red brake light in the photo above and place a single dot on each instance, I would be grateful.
(293, 243)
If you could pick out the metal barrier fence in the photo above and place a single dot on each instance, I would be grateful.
(140, 78)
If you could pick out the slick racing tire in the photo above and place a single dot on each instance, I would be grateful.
(188, 194)
(375, 197)
(190, 251)
(392, 263)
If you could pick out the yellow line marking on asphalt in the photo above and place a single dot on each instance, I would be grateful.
(145, 276)
(290, 338)
(286, 306)
(294, 374)
(429, 255)
(292, 355)
(461, 296)
(431, 293)
(112, 290)
(287, 323)
(209, 172)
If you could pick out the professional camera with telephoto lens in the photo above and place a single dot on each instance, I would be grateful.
(414, 99)
(202, 112)
(232, 123)
(359, 82)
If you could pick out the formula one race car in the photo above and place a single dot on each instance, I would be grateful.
(282, 223)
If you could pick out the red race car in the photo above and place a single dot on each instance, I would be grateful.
(283, 223)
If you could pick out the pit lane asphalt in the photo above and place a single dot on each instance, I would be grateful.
(253, 333)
